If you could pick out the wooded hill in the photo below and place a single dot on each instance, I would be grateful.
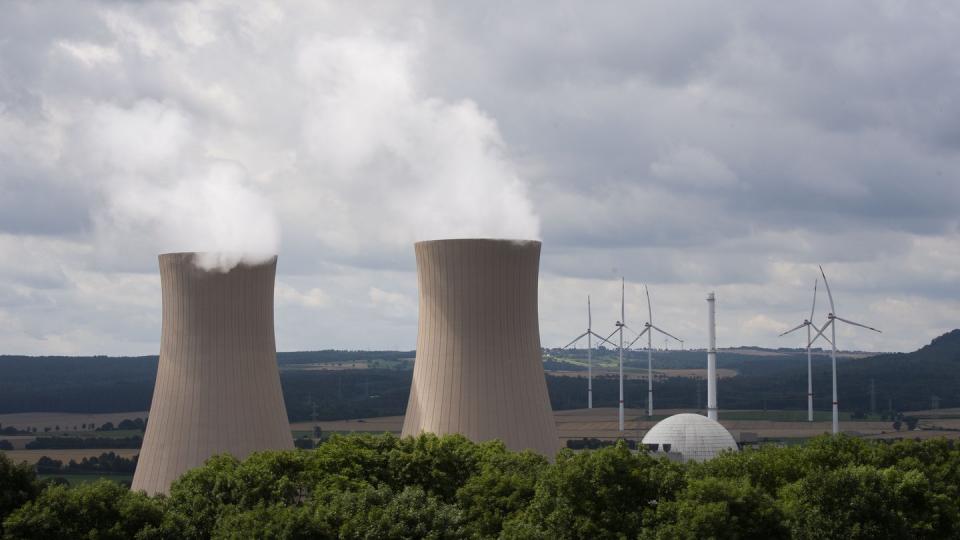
(376, 383)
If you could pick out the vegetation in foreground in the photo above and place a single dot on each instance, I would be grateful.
(447, 487)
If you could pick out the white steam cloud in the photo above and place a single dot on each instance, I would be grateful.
(212, 129)
(425, 167)
(159, 191)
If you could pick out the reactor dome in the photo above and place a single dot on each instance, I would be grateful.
(694, 437)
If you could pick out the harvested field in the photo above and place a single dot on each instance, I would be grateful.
(66, 421)
(31, 456)
(391, 424)
(641, 374)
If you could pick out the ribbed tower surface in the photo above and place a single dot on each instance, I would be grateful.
(218, 387)
(478, 370)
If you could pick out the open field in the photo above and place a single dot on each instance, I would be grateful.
(598, 423)
(635, 373)
(76, 454)
(66, 421)
(935, 413)
(601, 423)
(390, 424)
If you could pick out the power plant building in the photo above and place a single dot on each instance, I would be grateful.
(691, 436)
(478, 369)
(218, 387)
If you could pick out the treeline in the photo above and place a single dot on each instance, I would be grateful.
(62, 443)
(100, 384)
(105, 463)
(430, 487)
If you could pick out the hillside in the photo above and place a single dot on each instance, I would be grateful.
(352, 384)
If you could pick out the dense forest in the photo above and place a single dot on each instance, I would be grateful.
(430, 487)
(776, 380)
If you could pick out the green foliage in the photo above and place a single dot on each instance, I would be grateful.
(448, 487)
(607, 493)
(504, 484)
(101, 510)
(715, 507)
(862, 501)
(18, 485)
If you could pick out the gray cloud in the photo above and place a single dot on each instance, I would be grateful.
(695, 147)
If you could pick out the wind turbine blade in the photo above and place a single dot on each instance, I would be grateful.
(664, 332)
(634, 331)
(649, 309)
(610, 336)
(634, 341)
(824, 336)
(589, 315)
(581, 336)
(623, 313)
(601, 338)
(829, 294)
(814, 306)
(857, 324)
(795, 328)
(820, 332)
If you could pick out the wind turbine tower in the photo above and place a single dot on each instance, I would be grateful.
(808, 324)
(620, 325)
(832, 319)
(589, 334)
(712, 358)
(648, 330)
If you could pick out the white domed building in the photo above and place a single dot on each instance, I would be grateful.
(692, 436)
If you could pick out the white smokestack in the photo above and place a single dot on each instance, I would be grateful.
(712, 358)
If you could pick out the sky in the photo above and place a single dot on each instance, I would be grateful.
(689, 146)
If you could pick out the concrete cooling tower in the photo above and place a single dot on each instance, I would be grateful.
(218, 387)
(478, 370)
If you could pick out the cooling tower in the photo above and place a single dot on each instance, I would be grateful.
(478, 370)
(218, 388)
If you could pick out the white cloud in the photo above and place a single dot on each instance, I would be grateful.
(732, 151)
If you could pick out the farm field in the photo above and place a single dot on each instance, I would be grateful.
(65, 455)
(635, 373)
(601, 423)
(66, 421)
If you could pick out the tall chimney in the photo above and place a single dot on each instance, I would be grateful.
(478, 370)
(712, 359)
(218, 387)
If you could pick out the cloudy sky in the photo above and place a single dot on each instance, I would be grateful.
(692, 146)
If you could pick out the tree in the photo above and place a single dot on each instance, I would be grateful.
(380, 513)
(103, 510)
(18, 485)
(607, 493)
(304, 443)
(719, 508)
(865, 502)
(504, 485)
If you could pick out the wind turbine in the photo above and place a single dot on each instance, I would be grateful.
(589, 334)
(808, 323)
(832, 323)
(620, 325)
(648, 330)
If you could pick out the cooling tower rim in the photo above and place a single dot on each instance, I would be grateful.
(191, 256)
(513, 241)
